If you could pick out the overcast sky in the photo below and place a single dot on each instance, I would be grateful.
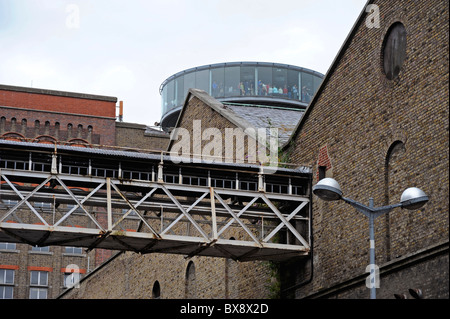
(128, 48)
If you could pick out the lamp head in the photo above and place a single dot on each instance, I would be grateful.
(413, 198)
(327, 189)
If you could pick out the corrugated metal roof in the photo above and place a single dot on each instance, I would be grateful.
(142, 155)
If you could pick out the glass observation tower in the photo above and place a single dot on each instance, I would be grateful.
(243, 83)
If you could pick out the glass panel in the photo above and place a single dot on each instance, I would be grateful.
(264, 80)
(171, 95)
(293, 84)
(42, 293)
(74, 250)
(168, 97)
(7, 246)
(34, 278)
(248, 80)
(279, 82)
(317, 82)
(6, 292)
(36, 248)
(43, 280)
(34, 293)
(179, 91)
(9, 276)
(232, 85)
(307, 87)
(217, 82)
(189, 82)
(38, 293)
(163, 100)
(202, 80)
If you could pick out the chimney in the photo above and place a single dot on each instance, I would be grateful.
(120, 111)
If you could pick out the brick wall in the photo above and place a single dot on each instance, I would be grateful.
(65, 116)
(57, 101)
(132, 276)
(55, 262)
(63, 127)
(209, 123)
(360, 115)
(132, 135)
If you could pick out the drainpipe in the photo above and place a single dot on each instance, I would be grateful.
(311, 258)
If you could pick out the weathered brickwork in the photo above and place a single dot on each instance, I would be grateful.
(132, 276)
(44, 116)
(382, 137)
(55, 262)
(58, 101)
(374, 135)
(34, 126)
(206, 115)
(130, 135)
(37, 114)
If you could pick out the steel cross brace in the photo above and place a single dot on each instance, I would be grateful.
(25, 199)
(184, 212)
(182, 215)
(80, 204)
(237, 218)
(133, 207)
(285, 221)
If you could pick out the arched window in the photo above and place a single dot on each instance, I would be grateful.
(190, 291)
(69, 131)
(393, 178)
(2, 124)
(13, 124)
(47, 128)
(156, 291)
(394, 50)
(79, 131)
(23, 129)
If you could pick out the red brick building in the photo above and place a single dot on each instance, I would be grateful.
(47, 115)
(65, 118)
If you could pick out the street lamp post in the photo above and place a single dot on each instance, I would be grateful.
(328, 189)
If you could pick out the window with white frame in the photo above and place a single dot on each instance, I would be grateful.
(6, 283)
(40, 249)
(7, 246)
(38, 284)
(74, 250)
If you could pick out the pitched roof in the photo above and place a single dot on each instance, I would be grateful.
(248, 116)
(266, 117)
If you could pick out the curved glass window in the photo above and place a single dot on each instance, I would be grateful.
(218, 82)
(242, 79)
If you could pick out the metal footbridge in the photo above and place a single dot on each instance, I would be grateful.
(142, 202)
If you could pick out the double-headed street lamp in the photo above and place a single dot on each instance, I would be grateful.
(328, 189)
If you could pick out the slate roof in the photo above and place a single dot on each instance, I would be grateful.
(246, 116)
(266, 117)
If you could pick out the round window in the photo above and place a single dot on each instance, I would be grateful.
(394, 50)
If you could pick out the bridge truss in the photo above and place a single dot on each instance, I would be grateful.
(61, 196)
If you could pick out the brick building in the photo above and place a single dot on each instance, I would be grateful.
(65, 118)
(166, 276)
(378, 125)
